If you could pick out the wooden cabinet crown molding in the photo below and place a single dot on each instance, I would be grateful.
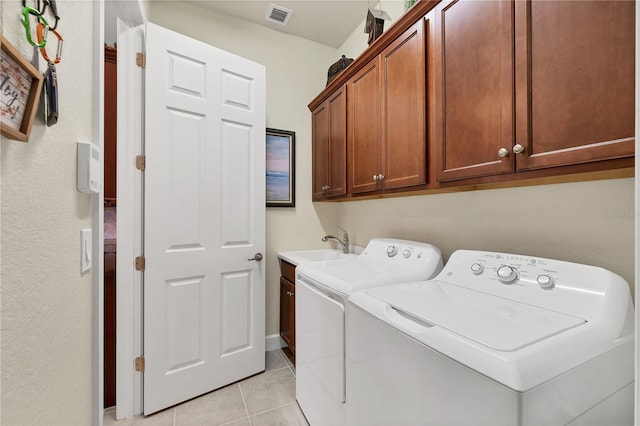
(414, 14)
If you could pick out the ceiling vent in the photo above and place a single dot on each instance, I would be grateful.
(278, 14)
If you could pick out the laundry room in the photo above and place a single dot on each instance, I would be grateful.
(589, 222)
(582, 212)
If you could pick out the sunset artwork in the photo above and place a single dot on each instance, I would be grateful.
(279, 173)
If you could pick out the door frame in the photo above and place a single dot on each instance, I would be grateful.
(129, 15)
(97, 223)
(129, 219)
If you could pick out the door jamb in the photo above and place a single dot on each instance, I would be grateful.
(129, 219)
(97, 223)
(130, 16)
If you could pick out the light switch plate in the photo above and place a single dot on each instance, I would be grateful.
(85, 250)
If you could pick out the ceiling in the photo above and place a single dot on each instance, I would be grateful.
(328, 22)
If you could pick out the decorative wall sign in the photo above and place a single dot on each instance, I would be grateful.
(20, 86)
(281, 168)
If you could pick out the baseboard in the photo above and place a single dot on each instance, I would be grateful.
(273, 342)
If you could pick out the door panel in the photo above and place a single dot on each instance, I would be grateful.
(575, 76)
(403, 110)
(236, 148)
(237, 313)
(337, 144)
(184, 326)
(364, 128)
(474, 90)
(204, 217)
(320, 151)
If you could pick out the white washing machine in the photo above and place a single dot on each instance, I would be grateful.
(322, 289)
(494, 339)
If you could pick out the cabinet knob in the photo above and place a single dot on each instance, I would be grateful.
(380, 177)
(503, 152)
(375, 177)
(517, 148)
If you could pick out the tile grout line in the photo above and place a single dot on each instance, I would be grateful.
(275, 408)
(175, 416)
(246, 409)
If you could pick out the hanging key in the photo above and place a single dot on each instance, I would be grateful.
(51, 94)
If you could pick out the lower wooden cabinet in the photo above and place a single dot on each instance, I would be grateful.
(288, 304)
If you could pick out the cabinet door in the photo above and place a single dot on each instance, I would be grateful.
(364, 128)
(473, 61)
(574, 81)
(288, 313)
(337, 167)
(403, 110)
(320, 141)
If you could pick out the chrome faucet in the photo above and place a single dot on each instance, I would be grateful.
(344, 242)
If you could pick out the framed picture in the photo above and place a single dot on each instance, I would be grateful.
(20, 86)
(281, 168)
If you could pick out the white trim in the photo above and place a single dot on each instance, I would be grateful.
(129, 219)
(97, 222)
(273, 342)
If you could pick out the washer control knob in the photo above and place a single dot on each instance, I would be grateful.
(546, 281)
(507, 274)
(406, 254)
(477, 268)
(392, 251)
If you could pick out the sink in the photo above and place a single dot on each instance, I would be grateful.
(304, 256)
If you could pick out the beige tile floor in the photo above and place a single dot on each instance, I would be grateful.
(267, 398)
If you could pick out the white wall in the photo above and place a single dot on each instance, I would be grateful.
(46, 316)
(296, 73)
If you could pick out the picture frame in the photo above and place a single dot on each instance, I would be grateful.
(280, 168)
(20, 87)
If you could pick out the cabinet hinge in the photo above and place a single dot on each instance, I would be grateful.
(140, 162)
(140, 363)
(141, 59)
(140, 263)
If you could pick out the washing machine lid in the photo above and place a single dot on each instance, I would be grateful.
(489, 320)
(348, 275)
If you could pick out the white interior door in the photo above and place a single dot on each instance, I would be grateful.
(204, 218)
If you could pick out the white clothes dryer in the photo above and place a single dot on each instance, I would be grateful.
(322, 289)
(494, 339)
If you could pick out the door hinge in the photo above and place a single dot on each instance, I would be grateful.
(140, 263)
(141, 59)
(140, 162)
(140, 363)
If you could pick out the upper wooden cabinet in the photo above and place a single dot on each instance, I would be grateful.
(387, 115)
(529, 85)
(473, 45)
(575, 80)
(329, 147)
(363, 92)
(468, 92)
(404, 155)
